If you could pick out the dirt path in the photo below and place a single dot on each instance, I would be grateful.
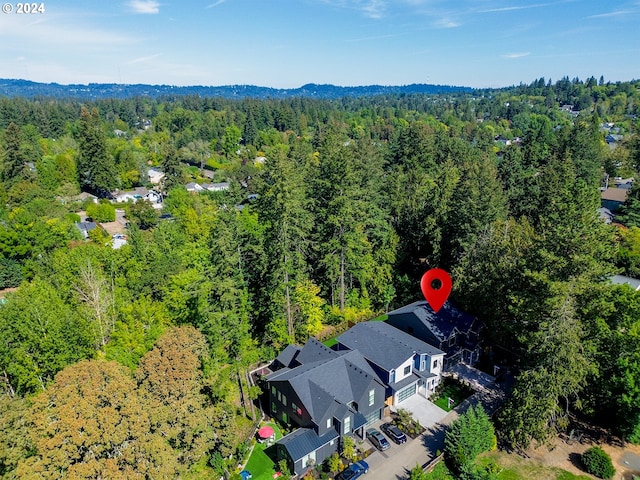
(565, 455)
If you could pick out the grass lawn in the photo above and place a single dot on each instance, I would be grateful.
(454, 390)
(515, 467)
(512, 467)
(259, 464)
(330, 342)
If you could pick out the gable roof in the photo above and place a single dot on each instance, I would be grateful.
(441, 324)
(384, 344)
(615, 194)
(287, 355)
(302, 441)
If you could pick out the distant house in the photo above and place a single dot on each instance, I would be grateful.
(606, 215)
(193, 187)
(405, 364)
(451, 330)
(134, 195)
(86, 196)
(326, 394)
(216, 187)
(613, 198)
(613, 138)
(623, 280)
(625, 183)
(155, 175)
(85, 227)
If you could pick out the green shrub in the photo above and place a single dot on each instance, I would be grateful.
(468, 436)
(102, 212)
(598, 462)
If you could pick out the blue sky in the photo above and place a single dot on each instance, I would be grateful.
(287, 43)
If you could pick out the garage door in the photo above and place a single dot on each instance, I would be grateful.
(406, 392)
(374, 416)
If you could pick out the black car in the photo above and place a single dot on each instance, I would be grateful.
(394, 433)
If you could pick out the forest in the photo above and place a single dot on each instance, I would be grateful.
(335, 209)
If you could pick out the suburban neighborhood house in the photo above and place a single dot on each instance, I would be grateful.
(405, 364)
(453, 331)
(327, 394)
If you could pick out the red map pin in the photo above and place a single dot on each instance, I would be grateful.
(436, 295)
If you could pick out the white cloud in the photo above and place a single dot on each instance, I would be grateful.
(616, 13)
(374, 8)
(447, 23)
(144, 6)
(516, 55)
(216, 3)
(518, 7)
(142, 59)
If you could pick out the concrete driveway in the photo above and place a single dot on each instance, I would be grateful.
(422, 410)
(396, 462)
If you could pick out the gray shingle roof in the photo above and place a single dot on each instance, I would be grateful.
(333, 376)
(442, 323)
(384, 344)
(287, 355)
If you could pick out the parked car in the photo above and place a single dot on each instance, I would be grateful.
(353, 471)
(394, 433)
(379, 441)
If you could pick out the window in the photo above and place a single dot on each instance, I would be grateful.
(285, 418)
(273, 390)
(372, 397)
(284, 399)
(347, 425)
(392, 376)
(279, 396)
(273, 407)
(407, 370)
(435, 363)
(294, 407)
(309, 460)
(328, 423)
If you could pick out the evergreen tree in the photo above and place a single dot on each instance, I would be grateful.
(468, 436)
(96, 168)
(286, 210)
(13, 160)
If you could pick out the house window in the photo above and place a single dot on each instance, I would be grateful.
(392, 376)
(279, 396)
(284, 399)
(407, 370)
(309, 460)
(273, 407)
(347, 425)
(294, 407)
(372, 397)
(435, 363)
(273, 390)
(328, 423)
(285, 418)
